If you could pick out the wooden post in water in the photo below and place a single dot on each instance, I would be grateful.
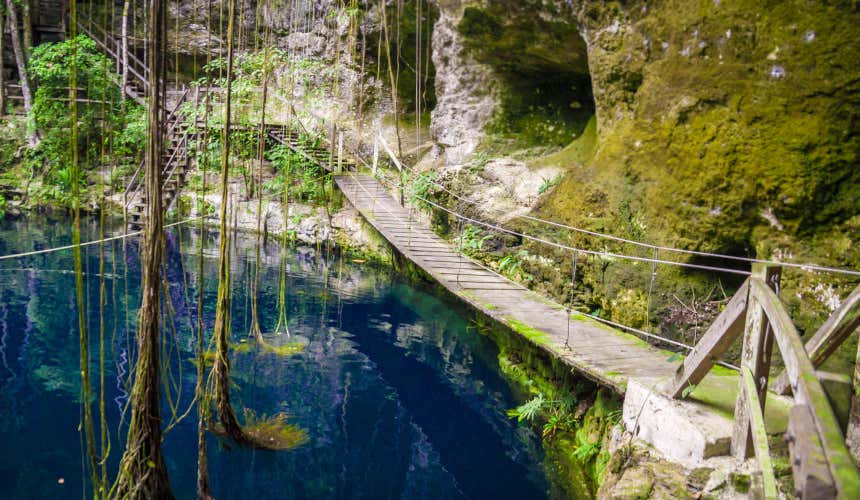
(757, 350)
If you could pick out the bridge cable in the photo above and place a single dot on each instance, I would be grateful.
(805, 267)
(637, 331)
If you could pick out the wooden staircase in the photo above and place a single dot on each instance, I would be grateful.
(176, 161)
(138, 73)
(318, 154)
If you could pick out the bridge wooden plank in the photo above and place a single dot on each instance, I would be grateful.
(598, 352)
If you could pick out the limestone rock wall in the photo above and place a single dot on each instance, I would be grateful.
(465, 89)
(722, 125)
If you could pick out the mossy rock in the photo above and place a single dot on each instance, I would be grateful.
(635, 484)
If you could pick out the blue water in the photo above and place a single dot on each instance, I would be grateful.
(400, 397)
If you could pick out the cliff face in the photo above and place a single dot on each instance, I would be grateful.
(727, 126)
(714, 125)
(738, 118)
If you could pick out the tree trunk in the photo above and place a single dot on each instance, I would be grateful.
(27, 26)
(125, 8)
(2, 75)
(143, 472)
(22, 66)
(221, 366)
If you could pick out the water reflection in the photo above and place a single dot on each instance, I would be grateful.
(399, 397)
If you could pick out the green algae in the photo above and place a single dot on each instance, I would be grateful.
(575, 455)
(533, 334)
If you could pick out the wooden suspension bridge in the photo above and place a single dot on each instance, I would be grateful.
(822, 466)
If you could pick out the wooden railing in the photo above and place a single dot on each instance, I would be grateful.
(822, 466)
(112, 46)
(174, 121)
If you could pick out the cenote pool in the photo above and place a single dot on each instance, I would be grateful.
(399, 395)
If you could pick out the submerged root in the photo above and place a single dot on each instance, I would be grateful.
(295, 345)
(288, 349)
(267, 432)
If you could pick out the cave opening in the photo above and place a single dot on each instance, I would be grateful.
(546, 96)
(410, 32)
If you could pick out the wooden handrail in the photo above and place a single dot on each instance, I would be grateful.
(759, 434)
(133, 183)
(717, 340)
(838, 327)
(808, 390)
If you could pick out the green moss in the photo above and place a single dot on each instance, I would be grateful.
(533, 334)
(696, 141)
(719, 392)
(471, 297)
(740, 482)
(578, 152)
(544, 90)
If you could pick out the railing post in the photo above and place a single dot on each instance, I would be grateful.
(756, 356)
(340, 152)
(375, 156)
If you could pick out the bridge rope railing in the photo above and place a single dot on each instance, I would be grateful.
(649, 335)
(821, 461)
(650, 246)
(125, 235)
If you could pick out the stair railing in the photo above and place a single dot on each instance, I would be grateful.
(134, 183)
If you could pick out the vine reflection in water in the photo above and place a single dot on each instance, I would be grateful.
(398, 397)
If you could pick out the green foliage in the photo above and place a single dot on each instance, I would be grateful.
(422, 188)
(471, 241)
(529, 410)
(478, 162)
(123, 125)
(308, 182)
(548, 184)
(512, 266)
(556, 414)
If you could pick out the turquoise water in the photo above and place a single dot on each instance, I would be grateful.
(400, 397)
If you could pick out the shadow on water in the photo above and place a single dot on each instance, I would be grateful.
(398, 397)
